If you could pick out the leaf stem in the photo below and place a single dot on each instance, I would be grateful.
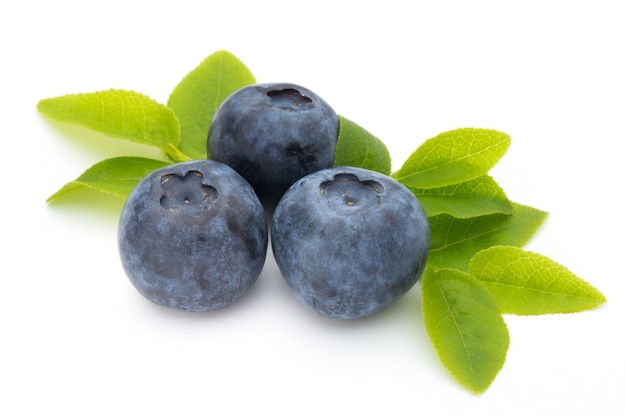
(175, 154)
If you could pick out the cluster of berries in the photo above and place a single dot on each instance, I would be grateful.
(348, 241)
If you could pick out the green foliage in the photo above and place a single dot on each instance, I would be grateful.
(476, 268)
(467, 330)
(357, 147)
(478, 197)
(120, 114)
(528, 283)
(452, 157)
(179, 129)
(116, 176)
(455, 241)
(196, 98)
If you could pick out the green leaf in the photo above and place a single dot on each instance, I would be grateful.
(528, 283)
(196, 98)
(453, 157)
(455, 241)
(359, 148)
(465, 326)
(117, 176)
(120, 114)
(477, 197)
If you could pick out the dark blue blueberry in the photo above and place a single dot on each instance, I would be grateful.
(193, 236)
(273, 135)
(349, 241)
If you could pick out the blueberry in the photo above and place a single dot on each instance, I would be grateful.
(273, 135)
(193, 236)
(349, 241)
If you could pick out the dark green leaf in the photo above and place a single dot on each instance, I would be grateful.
(359, 148)
(455, 241)
(473, 198)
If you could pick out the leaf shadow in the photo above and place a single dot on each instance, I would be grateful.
(87, 203)
(97, 144)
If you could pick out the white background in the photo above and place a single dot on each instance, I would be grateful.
(78, 340)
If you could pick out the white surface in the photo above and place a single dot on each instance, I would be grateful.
(78, 340)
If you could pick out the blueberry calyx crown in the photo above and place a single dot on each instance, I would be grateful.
(288, 98)
(346, 192)
(187, 195)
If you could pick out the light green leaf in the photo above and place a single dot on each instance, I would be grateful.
(477, 197)
(120, 114)
(455, 241)
(528, 283)
(453, 157)
(116, 176)
(465, 326)
(199, 94)
(359, 148)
